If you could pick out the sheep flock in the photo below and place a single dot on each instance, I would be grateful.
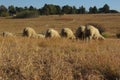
(87, 32)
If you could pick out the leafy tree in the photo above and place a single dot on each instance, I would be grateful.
(31, 8)
(3, 11)
(90, 10)
(52, 9)
(82, 10)
(45, 10)
(66, 9)
(95, 10)
(40, 11)
(12, 10)
(114, 11)
(100, 10)
(26, 8)
(19, 9)
(104, 9)
(27, 14)
(58, 9)
(74, 10)
(3, 8)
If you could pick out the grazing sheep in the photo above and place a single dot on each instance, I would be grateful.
(80, 32)
(29, 32)
(93, 33)
(51, 33)
(66, 32)
(40, 36)
(7, 34)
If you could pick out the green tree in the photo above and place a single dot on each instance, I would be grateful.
(31, 8)
(52, 9)
(82, 10)
(104, 9)
(74, 10)
(3, 11)
(66, 9)
(27, 14)
(45, 10)
(58, 9)
(114, 11)
(40, 11)
(11, 10)
(90, 10)
(19, 9)
(95, 10)
(26, 8)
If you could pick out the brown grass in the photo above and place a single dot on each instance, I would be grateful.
(59, 59)
(109, 21)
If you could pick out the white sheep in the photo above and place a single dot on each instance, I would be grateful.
(93, 33)
(80, 32)
(67, 32)
(7, 34)
(29, 32)
(40, 36)
(51, 33)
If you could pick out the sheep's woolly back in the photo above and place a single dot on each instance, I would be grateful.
(93, 32)
(40, 36)
(80, 32)
(67, 32)
(29, 32)
(7, 34)
(51, 33)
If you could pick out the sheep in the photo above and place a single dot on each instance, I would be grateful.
(40, 36)
(29, 32)
(7, 34)
(51, 33)
(66, 32)
(92, 33)
(80, 32)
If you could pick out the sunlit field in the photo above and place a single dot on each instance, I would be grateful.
(24, 58)
(109, 21)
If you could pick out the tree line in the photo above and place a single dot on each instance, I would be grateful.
(51, 9)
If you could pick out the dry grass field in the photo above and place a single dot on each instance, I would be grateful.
(109, 21)
(59, 59)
